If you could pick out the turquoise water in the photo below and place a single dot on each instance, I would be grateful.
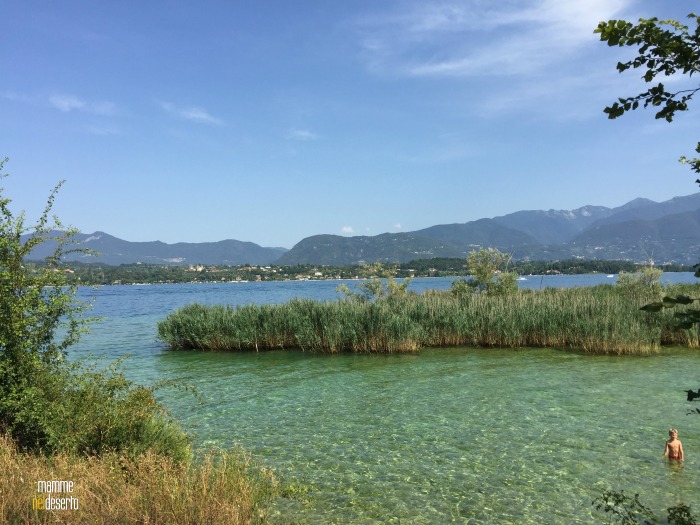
(450, 435)
(445, 436)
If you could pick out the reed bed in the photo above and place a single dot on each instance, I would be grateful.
(223, 488)
(597, 320)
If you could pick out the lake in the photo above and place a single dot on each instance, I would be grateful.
(456, 435)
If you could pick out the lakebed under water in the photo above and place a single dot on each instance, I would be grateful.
(457, 435)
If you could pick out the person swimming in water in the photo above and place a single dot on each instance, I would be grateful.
(674, 447)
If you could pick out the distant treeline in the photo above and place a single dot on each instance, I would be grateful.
(445, 267)
(97, 274)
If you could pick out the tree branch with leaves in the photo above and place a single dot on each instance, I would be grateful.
(665, 48)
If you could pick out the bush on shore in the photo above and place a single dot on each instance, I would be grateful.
(76, 409)
(48, 404)
(61, 420)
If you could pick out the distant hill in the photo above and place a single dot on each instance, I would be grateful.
(387, 247)
(113, 251)
(554, 226)
(668, 232)
(478, 233)
(646, 210)
(668, 238)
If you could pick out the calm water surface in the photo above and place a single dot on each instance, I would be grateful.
(445, 436)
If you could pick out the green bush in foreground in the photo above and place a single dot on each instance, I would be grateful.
(129, 459)
(599, 320)
(77, 409)
(47, 404)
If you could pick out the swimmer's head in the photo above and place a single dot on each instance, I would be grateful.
(672, 431)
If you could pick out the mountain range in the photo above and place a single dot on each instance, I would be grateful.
(667, 232)
(113, 251)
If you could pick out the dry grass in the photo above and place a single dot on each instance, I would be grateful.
(223, 488)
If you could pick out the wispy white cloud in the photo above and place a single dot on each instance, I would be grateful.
(15, 97)
(192, 113)
(398, 226)
(507, 56)
(68, 103)
(301, 135)
(347, 229)
(478, 38)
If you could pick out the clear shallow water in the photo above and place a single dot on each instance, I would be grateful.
(445, 436)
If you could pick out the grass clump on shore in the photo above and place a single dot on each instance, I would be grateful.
(602, 319)
(224, 488)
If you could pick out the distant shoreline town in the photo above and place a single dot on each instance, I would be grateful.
(138, 273)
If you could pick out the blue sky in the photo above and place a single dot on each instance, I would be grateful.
(273, 121)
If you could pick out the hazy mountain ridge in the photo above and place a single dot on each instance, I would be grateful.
(644, 209)
(387, 247)
(636, 231)
(554, 226)
(114, 251)
(667, 232)
(662, 240)
(477, 233)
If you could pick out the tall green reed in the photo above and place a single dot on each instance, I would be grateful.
(596, 319)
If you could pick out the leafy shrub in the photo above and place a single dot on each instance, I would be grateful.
(74, 408)
(643, 285)
(46, 403)
(382, 285)
(489, 274)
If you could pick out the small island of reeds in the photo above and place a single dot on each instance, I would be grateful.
(604, 319)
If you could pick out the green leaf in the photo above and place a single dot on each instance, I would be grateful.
(669, 302)
(664, 47)
(684, 299)
(652, 307)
